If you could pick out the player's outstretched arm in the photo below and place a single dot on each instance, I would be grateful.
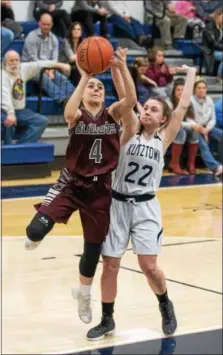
(72, 112)
(170, 131)
(122, 107)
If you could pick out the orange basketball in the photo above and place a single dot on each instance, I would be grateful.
(94, 54)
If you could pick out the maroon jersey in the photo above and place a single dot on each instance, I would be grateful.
(94, 144)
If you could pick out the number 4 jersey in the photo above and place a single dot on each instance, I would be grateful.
(140, 166)
(94, 144)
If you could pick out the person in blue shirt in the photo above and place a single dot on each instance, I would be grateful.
(219, 113)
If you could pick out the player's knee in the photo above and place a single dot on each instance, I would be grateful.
(111, 265)
(150, 270)
(89, 259)
(39, 227)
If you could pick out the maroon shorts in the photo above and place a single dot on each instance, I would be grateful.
(91, 196)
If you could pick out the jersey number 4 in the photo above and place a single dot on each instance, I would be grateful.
(136, 167)
(96, 151)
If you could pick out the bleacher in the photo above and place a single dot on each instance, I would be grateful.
(56, 134)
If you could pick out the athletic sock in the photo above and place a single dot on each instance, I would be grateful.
(85, 290)
(108, 308)
(163, 298)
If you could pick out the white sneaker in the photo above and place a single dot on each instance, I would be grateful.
(30, 245)
(84, 305)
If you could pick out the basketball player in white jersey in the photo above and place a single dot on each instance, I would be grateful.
(135, 210)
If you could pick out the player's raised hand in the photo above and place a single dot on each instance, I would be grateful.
(119, 58)
(184, 69)
(82, 71)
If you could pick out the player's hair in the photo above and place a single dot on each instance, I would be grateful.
(167, 111)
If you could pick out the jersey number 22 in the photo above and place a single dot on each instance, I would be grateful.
(136, 167)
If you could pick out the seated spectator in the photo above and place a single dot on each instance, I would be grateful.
(185, 134)
(205, 8)
(119, 15)
(6, 10)
(8, 18)
(68, 50)
(42, 44)
(205, 118)
(143, 84)
(187, 9)
(88, 12)
(159, 72)
(7, 37)
(212, 38)
(219, 113)
(61, 19)
(171, 19)
(17, 121)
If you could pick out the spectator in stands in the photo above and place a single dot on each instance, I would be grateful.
(7, 37)
(186, 133)
(205, 117)
(68, 50)
(204, 8)
(42, 44)
(187, 9)
(212, 38)
(6, 10)
(8, 18)
(119, 15)
(219, 113)
(159, 72)
(61, 19)
(143, 83)
(88, 12)
(17, 121)
(170, 19)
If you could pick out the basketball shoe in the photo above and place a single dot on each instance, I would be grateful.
(169, 322)
(84, 305)
(30, 245)
(106, 327)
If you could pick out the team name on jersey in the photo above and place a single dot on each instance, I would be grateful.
(92, 128)
(144, 151)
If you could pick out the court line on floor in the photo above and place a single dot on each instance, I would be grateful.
(183, 243)
(114, 343)
(167, 279)
(177, 282)
(161, 188)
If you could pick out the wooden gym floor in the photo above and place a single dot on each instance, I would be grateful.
(39, 315)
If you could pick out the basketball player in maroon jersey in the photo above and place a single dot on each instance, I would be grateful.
(85, 181)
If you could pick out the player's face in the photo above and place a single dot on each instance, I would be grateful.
(201, 90)
(94, 92)
(178, 91)
(152, 114)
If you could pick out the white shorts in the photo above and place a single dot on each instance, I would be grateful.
(142, 223)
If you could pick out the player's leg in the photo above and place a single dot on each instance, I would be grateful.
(146, 242)
(38, 228)
(112, 250)
(56, 207)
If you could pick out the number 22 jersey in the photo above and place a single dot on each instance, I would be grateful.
(94, 144)
(140, 166)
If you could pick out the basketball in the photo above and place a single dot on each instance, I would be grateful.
(94, 54)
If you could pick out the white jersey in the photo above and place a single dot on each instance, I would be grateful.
(140, 166)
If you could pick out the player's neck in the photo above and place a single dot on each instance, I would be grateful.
(93, 109)
(148, 133)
